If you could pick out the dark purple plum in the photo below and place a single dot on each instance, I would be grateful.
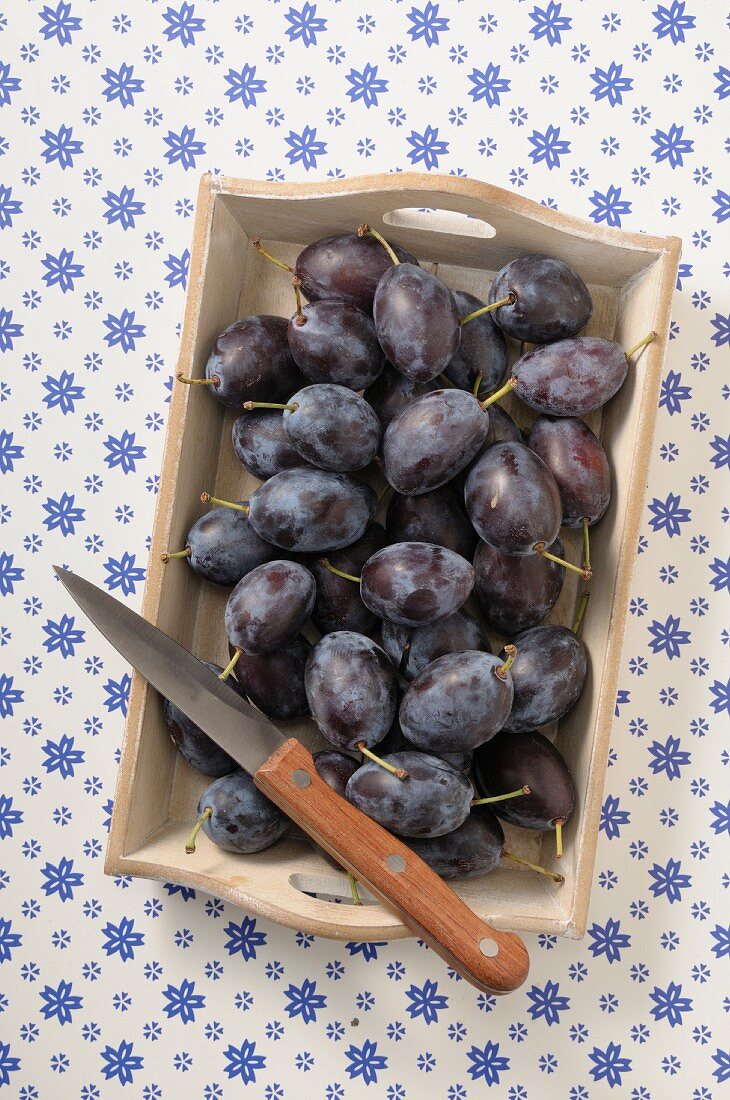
(223, 547)
(551, 301)
(412, 650)
(438, 517)
(338, 605)
(512, 499)
(269, 606)
(457, 702)
(549, 674)
(578, 463)
(395, 741)
(332, 427)
(482, 351)
(417, 321)
(474, 848)
(346, 267)
(242, 819)
(432, 439)
(334, 341)
(336, 768)
(310, 511)
(352, 689)
(251, 361)
(572, 377)
(502, 428)
(274, 682)
(392, 392)
(200, 751)
(512, 760)
(412, 583)
(433, 800)
(515, 592)
(261, 445)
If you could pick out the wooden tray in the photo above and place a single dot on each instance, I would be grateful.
(631, 278)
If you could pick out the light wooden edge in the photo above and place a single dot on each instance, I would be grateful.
(652, 365)
(434, 184)
(113, 863)
(330, 923)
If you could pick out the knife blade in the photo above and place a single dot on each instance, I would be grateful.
(283, 769)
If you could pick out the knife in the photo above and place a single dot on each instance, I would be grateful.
(494, 961)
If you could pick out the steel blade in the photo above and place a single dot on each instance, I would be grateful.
(230, 721)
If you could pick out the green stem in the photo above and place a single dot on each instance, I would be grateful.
(279, 263)
(214, 380)
(641, 344)
(206, 498)
(353, 889)
(586, 545)
(338, 572)
(231, 664)
(502, 671)
(500, 797)
(558, 823)
(581, 611)
(363, 229)
(400, 772)
(190, 846)
(508, 301)
(533, 866)
(249, 405)
(506, 388)
(539, 548)
(301, 319)
(477, 383)
(166, 557)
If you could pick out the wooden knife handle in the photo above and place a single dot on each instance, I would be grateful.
(494, 961)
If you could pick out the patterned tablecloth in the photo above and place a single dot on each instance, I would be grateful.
(109, 111)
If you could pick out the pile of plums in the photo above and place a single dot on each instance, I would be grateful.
(384, 376)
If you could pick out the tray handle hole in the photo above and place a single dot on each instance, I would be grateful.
(332, 888)
(439, 221)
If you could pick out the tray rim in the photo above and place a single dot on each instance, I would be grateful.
(666, 252)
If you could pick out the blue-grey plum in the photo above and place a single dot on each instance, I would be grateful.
(433, 800)
(512, 499)
(346, 267)
(548, 673)
(417, 321)
(578, 463)
(242, 818)
(432, 439)
(550, 300)
(482, 351)
(352, 689)
(251, 361)
(392, 392)
(274, 682)
(438, 517)
(516, 591)
(572, 377)
(332, 427)
(310, 511)
(223, 547)
(338, 605)
(334, 341)
(458, 702)
(200, 751)
(335, 768)
(412, 583)
(412, 650)
(269, 606)
(475, 848)
(261, 444)
(513, 760)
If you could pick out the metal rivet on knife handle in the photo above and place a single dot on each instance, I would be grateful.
(396, 863)
(488, 947)
(301, 778)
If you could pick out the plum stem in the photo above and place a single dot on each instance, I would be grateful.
(249, 405)
(363, 229)
(506, 388)
(585, 573)
(279, 263)
(353, 889)
(190, 845)
(214, 380)
(586, 544)
(338, 572)
(301, 319)
(206, 498)
(502, 671)
(533, 866)
(581, 611)
(166, 557)
(641, 344)
(558, 823)
(477, 383)
(500, 797)
(508, 301)
(399, 772)
(231, 664)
